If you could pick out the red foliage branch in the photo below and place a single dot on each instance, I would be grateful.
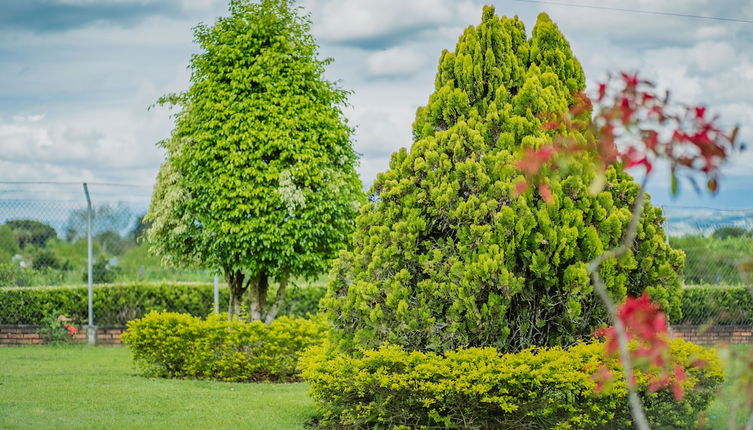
(633, 126)
(646, 325)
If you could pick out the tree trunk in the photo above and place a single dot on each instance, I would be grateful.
(278, 301)
(258, 297)
(235, 283)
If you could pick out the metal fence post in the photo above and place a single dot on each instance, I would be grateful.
(216, 294)
(91, 331)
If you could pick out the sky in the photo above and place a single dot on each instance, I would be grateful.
(77, 77)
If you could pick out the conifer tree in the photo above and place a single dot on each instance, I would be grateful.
(260, 178)
(447, 255)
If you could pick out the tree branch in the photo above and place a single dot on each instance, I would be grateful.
(636, 407)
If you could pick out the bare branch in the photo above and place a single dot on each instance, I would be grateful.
(636, 407)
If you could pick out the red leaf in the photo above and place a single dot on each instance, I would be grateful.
(602, 91)
(546, 193)
(601, 377)
(630, 80)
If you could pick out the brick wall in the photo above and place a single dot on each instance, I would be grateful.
(17, 335)
(712, 335)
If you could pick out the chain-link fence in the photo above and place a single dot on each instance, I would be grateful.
(44, 243)
(718, 243)
(43, 236)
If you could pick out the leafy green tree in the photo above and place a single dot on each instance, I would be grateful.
(729, 231)
(46, 259)
(105, 218)
(139, 229)
(31, 232)
(8, 243)
(260, 178)
(102, 271)
(449, 255)
(711, 260)
(112, 243)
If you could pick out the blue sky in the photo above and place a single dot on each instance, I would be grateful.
(77, 76)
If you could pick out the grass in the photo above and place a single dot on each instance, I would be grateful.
(79, 387)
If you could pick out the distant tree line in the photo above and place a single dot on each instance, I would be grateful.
(715, 259)
(33, 252)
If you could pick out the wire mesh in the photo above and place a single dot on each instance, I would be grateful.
(718, 244)
(43, 243)
(43, 236)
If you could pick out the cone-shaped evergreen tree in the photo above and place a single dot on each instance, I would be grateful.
(447, 256)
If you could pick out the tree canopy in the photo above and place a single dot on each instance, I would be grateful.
(448, 254)
(31, 232)
(260, 178)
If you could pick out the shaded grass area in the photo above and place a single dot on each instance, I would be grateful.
(79, 387)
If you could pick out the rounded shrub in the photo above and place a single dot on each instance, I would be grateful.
(446, 255)
(480, 388)
(183, 346)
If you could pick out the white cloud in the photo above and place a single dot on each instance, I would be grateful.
(395, 61)
(364, 21)
(94, 83)
(651, 30)
(114, 144)
(28, 118)
(98, 142)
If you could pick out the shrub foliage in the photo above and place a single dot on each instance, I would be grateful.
(118, 304)
(716, 306)
(447, 256)
(480, 388)
(182, 346)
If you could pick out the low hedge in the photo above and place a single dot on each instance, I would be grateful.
(483, 389)
(183, 346)
(716, 306)
(119, 303)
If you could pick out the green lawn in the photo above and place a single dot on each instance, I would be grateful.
(78, 387)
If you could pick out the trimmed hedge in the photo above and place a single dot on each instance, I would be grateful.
(118, 304)
(716, 306)
(483, 389)
(182, 346)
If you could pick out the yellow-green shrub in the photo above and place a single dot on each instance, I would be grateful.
(182, 346)
(480, 388)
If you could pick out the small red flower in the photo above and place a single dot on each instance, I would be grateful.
(72, 330)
